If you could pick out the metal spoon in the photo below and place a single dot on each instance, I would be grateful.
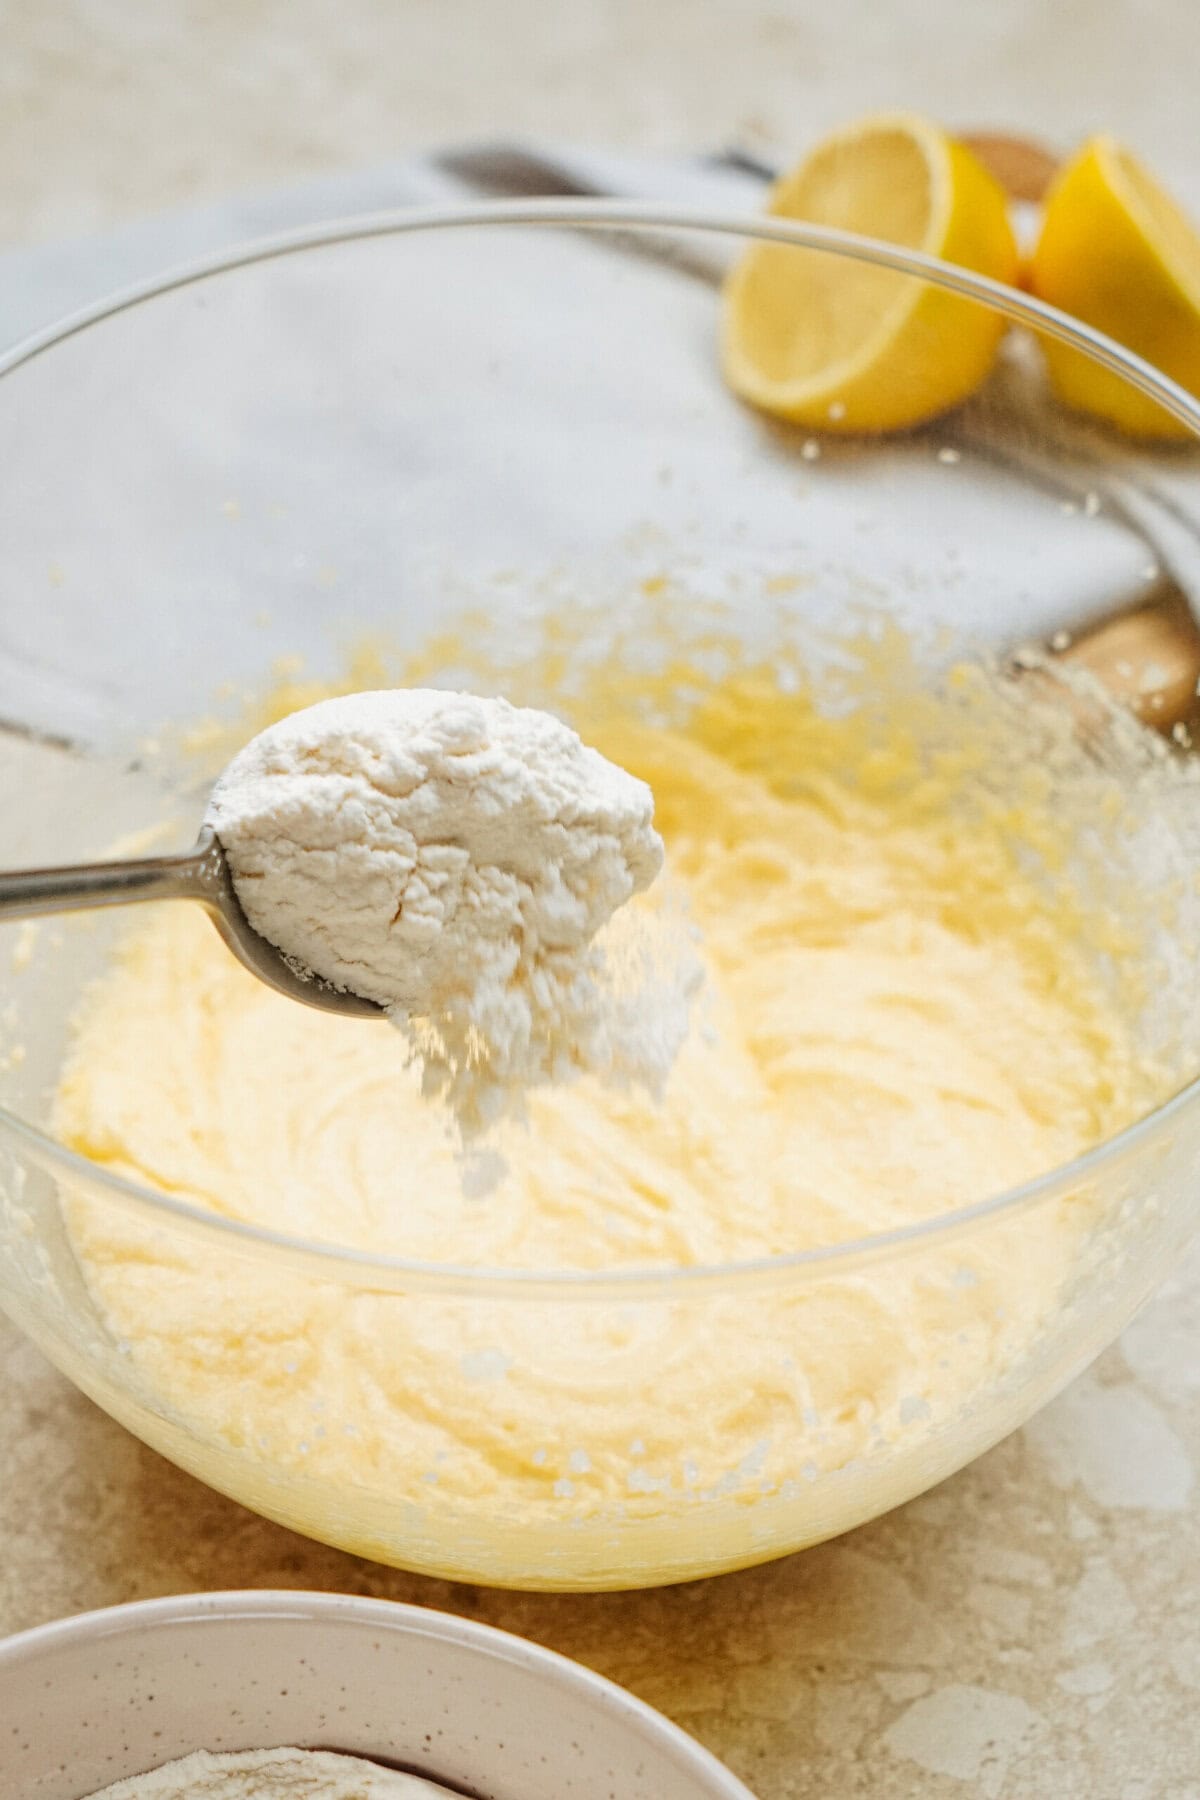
(202, 874)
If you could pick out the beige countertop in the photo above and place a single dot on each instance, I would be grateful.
(1030, 1628)
(111, 108)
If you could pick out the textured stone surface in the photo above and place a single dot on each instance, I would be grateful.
(1028, 1629)
(110, 108)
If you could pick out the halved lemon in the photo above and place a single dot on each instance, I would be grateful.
(1116, 251)
(839, 346)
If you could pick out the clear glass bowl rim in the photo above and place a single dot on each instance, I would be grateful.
(364, 1269)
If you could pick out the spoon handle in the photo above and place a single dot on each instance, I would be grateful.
(200, 873)
(25, 893)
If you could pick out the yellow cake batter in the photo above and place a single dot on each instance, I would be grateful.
(908, 1008)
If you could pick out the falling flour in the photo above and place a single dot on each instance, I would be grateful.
(454, 859)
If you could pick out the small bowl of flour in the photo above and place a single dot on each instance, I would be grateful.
(294, 1696)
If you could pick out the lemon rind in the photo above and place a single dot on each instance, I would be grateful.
(935, 147)
(1110, 157)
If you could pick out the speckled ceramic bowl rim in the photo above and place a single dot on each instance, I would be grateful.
(604, 1697)
(362, 1269)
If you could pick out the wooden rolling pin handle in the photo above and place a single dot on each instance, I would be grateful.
(1147, 659)
(1023, 167)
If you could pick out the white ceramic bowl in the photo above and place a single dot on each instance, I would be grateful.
(91, 1700)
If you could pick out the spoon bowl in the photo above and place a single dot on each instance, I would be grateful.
(201, 873)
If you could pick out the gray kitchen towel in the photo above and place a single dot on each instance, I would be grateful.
(1004, 520)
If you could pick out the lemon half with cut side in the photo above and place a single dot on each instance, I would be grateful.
(1116, 251)
(837, 345)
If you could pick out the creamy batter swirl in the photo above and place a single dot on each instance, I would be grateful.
(911, 1005)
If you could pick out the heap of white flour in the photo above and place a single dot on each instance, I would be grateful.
(272, 1775)
(454, 858)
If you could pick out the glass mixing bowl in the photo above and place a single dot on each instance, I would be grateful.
(465, 422)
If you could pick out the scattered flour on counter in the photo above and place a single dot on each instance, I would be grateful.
(272, 1775)
(454, 859)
